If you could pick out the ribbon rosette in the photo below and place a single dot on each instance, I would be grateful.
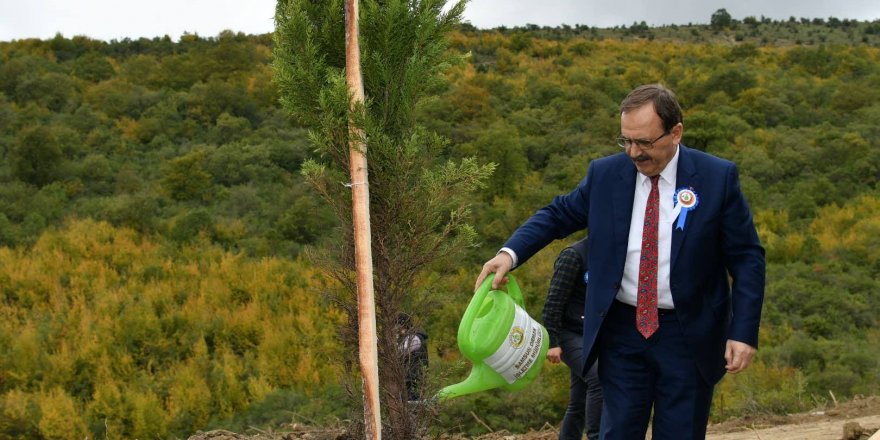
(685, 199)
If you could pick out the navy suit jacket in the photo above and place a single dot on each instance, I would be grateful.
(717, 262)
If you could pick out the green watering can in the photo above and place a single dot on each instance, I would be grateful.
(505, 345)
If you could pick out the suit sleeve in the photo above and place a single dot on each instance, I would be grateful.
(564, 215)
(744, 260)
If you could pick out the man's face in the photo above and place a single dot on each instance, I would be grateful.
(644, 124)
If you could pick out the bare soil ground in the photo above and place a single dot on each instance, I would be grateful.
(858, 419)
(855, 420)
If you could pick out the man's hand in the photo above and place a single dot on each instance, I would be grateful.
(738, 355)
(554, 355)
(500, 265)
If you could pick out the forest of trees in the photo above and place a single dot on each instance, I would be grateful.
(153, 216)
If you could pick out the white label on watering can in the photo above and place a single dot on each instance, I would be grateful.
(520, 350)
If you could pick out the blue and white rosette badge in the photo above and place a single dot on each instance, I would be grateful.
(685, 200)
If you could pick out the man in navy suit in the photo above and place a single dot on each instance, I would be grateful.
(676, 271)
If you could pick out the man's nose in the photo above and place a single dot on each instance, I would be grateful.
(633, 151)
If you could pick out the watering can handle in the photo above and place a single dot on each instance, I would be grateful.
(464, 330)
(512, 288)
(514, 292)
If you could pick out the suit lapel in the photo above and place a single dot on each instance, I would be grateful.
(624, 192)
(685, 177)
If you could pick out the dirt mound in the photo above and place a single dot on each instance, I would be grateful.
(292, 432)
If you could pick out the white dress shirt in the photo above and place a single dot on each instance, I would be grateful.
(629, 285)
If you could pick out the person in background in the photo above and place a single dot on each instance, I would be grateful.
(563, 318)
(413, 346)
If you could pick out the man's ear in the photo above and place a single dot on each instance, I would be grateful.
(677, 131)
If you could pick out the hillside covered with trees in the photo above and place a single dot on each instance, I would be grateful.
(153, 217)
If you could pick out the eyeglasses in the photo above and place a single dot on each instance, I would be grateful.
(644, 144)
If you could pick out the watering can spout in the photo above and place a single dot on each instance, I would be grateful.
(505, 345)
(480, 379)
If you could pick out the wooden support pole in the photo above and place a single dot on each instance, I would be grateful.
(361, 221)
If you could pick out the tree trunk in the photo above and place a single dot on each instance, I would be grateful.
(361, 222)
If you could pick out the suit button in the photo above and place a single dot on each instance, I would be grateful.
(601, 314)
(616, 285)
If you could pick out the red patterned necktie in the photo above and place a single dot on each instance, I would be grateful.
(646, 309)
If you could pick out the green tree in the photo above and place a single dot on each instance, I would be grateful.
(165, 118)
(185, 177)
(207, 101)
(720, 19)
(500, 144)
(731, 80)
(8, 231)
(228, 129)
(92, 67)
(55, 91)
(418, 205)
(18, 69)
(36, 155)
(118, 98)
(189, 225)
(98, 174)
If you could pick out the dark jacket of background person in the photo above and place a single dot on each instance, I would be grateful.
(563, 317)
(564, 308)
(413, 346)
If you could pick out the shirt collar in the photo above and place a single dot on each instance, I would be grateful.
(668, 174)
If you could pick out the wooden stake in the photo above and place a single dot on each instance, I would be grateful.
(360, 197)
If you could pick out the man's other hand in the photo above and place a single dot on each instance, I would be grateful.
(738, 355)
